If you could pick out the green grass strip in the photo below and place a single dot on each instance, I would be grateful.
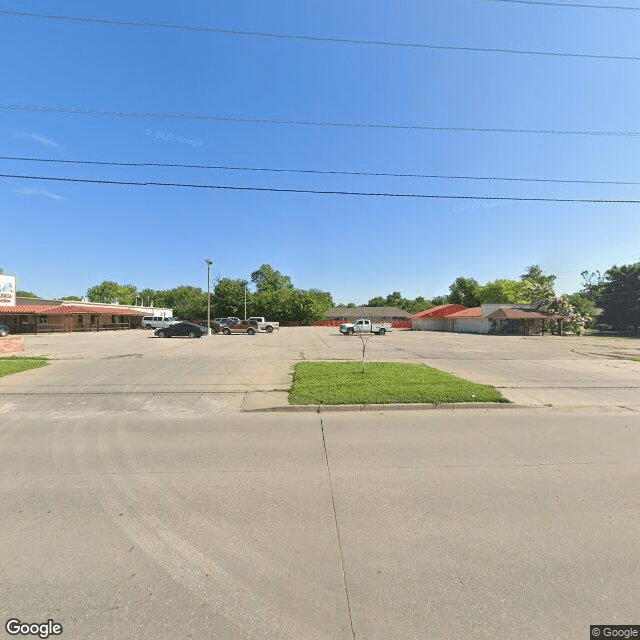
(15, 364)
(382, 383)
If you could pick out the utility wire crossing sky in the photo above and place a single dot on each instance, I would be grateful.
(522, 111)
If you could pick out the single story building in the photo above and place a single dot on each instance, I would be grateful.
(431, 319)
(147, 311)
(375, 314)
(498, 319)
(39, 318)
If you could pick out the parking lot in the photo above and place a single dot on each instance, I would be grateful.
(142, 495)
(250, 372)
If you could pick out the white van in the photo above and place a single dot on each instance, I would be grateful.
(157, 322)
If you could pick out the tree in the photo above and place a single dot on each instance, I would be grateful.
(421, 304)
(188, 302)
(512, 291)
(148, 297)
(465, 291)
(620, 297)
(109, 291)
(396, 299)
(545, 300)
(266, 278)
(538, 286)
(287, 305)
(26, 294)
(304, 308)
(323, 299)
(227, 299)
(364, 339)
(439, 300)
(71, 298)
(582, 305)
(534, 274)
(593, 284)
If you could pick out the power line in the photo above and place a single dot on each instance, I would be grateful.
(310, 123)
(569, 5)
(317, 191)
(226, 167)
(319, 39)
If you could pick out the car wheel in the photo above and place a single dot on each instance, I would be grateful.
(269, 329)
(3, 333)
(192, 334)
(148, 326)
(349, 332)
(226, 331)
(251, 331)
(382, 332)
(162, 334)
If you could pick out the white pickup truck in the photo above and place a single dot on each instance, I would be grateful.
(263, 325)
(364, 326)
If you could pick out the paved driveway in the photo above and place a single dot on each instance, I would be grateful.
(240, 371)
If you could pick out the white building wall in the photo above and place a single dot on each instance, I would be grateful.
(428, 324)
(471, 325)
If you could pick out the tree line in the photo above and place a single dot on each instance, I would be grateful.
(272, 294)
(616, 293)
(269, 293)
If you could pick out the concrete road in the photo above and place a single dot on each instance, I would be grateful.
(138, 500)
(483, 524)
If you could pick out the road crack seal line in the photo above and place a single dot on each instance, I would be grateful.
(557, 386)
(335, 519)
(124, 355)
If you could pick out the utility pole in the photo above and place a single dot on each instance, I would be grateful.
(245, 300)
(209, 263)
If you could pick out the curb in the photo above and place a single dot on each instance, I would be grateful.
(449, 406)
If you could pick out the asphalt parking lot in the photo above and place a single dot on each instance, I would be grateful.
(141, 496)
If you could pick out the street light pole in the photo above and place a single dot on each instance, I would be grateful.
(209, 263)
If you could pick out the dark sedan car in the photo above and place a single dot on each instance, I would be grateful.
(187, 329)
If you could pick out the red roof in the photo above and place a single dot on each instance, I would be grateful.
(441, 311)
(68, 309)
(475, 312)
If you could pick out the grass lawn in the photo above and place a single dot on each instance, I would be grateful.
(15, 364)
(382, 383)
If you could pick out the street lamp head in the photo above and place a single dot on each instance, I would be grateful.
(208, 261)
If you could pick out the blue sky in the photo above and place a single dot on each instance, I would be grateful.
(61, 238)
